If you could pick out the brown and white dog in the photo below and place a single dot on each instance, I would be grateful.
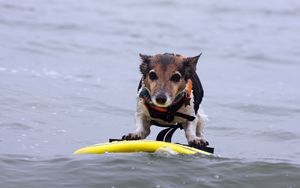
(170, 92)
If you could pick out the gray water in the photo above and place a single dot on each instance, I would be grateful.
(68, 79)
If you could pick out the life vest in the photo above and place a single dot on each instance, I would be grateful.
(168, 114)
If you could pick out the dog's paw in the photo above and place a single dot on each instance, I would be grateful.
(131, 136)
(197, 141)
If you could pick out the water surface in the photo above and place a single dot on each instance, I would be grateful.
(68, 78)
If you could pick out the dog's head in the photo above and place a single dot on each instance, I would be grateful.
(166, 75)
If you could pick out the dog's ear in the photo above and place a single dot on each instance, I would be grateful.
(189, 66)
(144, 67)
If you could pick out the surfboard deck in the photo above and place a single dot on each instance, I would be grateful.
(149, 146)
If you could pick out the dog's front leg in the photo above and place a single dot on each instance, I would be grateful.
(142, 128)
(190, 128)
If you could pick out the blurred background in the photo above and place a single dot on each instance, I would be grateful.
(69, 72)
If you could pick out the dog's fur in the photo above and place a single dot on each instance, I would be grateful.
(165, 76)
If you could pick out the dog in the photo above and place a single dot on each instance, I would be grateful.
(169, 93)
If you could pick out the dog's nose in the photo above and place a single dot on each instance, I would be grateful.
(161, 99)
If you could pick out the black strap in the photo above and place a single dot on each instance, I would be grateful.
(166, 134)
(198, 92)
(189, 118)
(162, 135)
(170, 114)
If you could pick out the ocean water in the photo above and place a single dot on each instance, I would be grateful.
(69, 74)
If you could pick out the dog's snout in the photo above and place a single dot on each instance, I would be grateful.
(161, 99)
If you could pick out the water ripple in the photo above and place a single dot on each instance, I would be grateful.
(144, 170)
(264, 109)
(16, 126)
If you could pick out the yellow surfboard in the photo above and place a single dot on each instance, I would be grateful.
(150, 146)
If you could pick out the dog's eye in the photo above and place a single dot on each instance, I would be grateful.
(175, 78)
(153, 76)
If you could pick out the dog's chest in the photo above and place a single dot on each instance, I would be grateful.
(188, 110)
